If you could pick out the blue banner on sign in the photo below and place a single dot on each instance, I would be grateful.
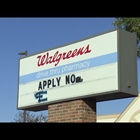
(72, 67)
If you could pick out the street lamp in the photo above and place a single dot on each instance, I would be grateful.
(23, 53)
(24, 112)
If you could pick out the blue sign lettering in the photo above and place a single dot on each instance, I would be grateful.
(39, 96)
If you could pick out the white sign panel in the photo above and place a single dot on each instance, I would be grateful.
(88, 68)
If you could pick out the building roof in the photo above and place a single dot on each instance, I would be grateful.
(130, 114)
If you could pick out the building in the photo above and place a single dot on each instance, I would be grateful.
(130, 114)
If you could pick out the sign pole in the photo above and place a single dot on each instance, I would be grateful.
(24, 112)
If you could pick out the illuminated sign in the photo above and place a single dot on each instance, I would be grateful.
(103, 67)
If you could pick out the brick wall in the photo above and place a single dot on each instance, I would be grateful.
(83, 110)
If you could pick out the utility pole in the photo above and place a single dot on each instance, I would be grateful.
(24, 112)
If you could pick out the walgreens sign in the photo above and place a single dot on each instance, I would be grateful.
(83, 69)
(59, 56)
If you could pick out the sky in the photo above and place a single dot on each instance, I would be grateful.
(37, 35)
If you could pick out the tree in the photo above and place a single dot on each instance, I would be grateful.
(30, 117)
(131, 25)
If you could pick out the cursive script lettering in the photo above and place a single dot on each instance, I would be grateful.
(47, 59)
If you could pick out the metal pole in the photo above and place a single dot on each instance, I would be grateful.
(24, 116)
(24, 111)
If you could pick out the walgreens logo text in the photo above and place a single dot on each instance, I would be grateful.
(58, 56)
